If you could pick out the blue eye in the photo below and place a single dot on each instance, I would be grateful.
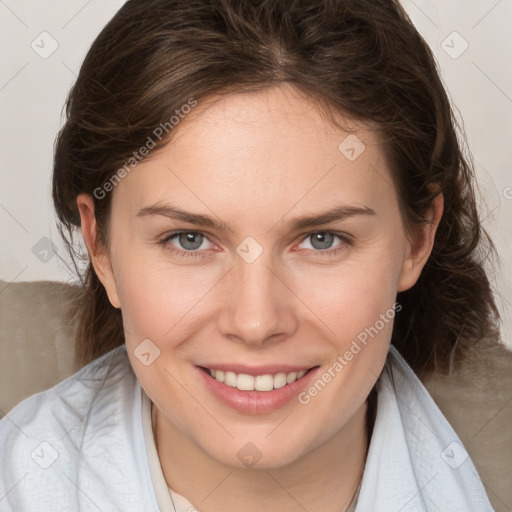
(321, 242)
(194, 244)
(190, 241)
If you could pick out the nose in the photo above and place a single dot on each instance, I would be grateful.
(258, 307)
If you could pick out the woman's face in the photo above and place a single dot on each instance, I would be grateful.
(291, 255)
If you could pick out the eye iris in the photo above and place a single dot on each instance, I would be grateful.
(322, 240)
(190, 241)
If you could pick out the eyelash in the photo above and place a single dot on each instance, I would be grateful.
(165, 243)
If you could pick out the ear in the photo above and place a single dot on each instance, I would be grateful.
(98, 254)
(420, 246)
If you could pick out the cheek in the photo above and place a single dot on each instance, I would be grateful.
(156, 300)
(358, 306)
(357, 302)
(155, 294)
(353, 295)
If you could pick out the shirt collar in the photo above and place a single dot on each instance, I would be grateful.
(416, 462)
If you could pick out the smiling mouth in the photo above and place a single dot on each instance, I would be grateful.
(245, 382)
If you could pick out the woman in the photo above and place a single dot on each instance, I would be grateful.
(282, 234)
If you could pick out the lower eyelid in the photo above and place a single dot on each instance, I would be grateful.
(167, 240)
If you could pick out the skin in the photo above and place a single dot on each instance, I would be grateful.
(256, 161)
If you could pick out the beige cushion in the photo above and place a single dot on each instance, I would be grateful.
(477, 401)
(36, 338)
(36, 347)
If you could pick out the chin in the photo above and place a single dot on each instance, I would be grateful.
(258, 452)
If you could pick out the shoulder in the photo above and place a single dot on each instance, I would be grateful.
(476, 398)
(413, 427)
(65, 443)
(58, 408)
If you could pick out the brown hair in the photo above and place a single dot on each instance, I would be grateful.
(362, 58)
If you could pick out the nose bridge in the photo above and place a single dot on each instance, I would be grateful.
(258, 305)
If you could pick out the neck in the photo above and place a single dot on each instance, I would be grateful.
(325, 478)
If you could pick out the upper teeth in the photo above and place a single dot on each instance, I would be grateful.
(259, 383)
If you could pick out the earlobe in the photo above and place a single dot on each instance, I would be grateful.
(420, 248)
(98, 254)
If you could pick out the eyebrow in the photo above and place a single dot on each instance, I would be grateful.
(335, 214)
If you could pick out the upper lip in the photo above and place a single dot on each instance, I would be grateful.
(270, 369)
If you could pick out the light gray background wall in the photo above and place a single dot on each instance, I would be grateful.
(44, 42)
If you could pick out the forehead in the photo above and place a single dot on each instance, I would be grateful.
(271, 147)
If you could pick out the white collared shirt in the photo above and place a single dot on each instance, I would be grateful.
(80, 446)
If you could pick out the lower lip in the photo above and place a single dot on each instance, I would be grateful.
(256, 402)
